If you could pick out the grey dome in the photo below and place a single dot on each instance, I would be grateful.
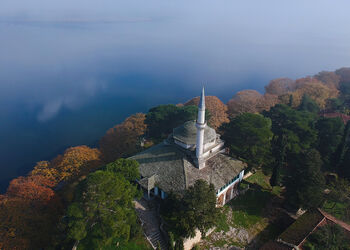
(187, 133)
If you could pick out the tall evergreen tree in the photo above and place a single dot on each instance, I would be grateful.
(249, 136)
(330, 133)
(339, 156)
(304, 187)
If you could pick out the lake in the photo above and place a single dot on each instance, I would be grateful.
(69, 71)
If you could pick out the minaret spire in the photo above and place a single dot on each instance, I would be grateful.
(201, 124)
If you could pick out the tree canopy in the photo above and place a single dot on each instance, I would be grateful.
(161, 120)
(330, 133)
(216, 108)
(124, 139)
(196, 209)
(304, 187)
(248, 136)
(102, 210)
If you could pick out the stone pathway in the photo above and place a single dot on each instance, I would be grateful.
(147, 213)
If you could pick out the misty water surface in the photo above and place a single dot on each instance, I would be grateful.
(70, 70)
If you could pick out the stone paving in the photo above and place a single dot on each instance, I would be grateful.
(148, 215)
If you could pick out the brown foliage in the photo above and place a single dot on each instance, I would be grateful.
(250, 101)
(280, 86)
(29, 212)
(330, 79)
(217, 109)
(75, 162)
(31, 188)
(344, 74)
(123, 139)
(315, 89)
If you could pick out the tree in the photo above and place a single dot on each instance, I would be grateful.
(162, 119)
(342, 154)
(29, 212)
(280, 86)
(102, 211)
(200, 200)
(296, 126)
(309, 105)
(248, 136)
(315, 89)
(330, 79)
(123, 140)
(75, 162)
(330, 133)
(196, 209)
(304, 187)
(339, 192)
(328, 237)
(127, 168)
(279, 149)
(217, 109)
(245, 101)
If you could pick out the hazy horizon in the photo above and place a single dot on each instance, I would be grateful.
(70, 70)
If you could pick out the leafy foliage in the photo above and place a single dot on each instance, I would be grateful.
(103, 210)
(248, 136)
(75, 162)
(306, 183)
(123, 140)
(197, 209)
(330, 133)
(216, 108)
(162, 119)
(29, 212)
(330, 237)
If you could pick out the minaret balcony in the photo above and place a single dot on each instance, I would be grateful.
(201, 125)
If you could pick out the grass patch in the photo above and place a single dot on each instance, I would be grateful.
(248, 208)
(262, 180)
(338, 210)
(221, 222)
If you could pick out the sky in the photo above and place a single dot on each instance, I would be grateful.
(76, 57)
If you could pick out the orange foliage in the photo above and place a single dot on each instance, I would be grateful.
(29, 212)
(279, 86)
(250, 101)
(315, 89)
(75, 161)
(31, 188)
(217, 109)
(330, 79)
(123, 139)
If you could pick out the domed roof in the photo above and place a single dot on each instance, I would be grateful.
(187, 133)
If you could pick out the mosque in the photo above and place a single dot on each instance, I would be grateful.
(193, 151)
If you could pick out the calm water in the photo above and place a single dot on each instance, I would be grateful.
(69, 71)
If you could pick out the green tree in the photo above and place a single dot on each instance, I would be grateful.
(297, 126)
(127, 168)
(304, 188)
(161, 120)
(330, 133)
(307, 104)
(248, 136)
(279, 151)
(339, 192)
(328, 237)
(342, 154)
(200, 200)
(102, 210)
(196, 209)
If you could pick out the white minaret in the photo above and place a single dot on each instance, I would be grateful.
(201, 124)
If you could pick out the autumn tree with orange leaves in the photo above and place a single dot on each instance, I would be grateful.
(217, 109)
(29, 212)
(75, 162)
(123, 139)
(250, 101)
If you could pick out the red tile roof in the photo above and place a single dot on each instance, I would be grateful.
(343, 117)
